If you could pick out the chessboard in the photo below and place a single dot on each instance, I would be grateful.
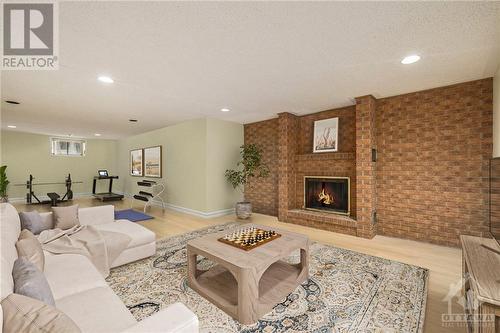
(249, 238)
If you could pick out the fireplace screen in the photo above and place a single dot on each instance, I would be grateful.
(330, 194)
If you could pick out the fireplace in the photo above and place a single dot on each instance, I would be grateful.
(328, 194)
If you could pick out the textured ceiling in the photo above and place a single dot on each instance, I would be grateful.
(175, 61)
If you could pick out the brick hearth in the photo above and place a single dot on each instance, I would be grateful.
(430, 179)
(325, 221)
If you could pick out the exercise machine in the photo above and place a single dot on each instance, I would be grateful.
(153, 195)
(105, 196)
(32, 199)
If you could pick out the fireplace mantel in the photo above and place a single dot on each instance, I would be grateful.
(326, 156)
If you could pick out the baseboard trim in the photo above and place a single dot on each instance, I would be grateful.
(194, 212)
(206, 215)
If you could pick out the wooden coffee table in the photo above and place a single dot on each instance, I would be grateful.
(247, 284)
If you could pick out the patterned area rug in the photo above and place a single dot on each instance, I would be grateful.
(347, 292)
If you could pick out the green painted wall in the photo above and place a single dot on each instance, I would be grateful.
(223, 152)
(26, 154)
(183, 158)
(195, 155)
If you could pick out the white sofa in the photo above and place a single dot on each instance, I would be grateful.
(79, 289)
(143, 243)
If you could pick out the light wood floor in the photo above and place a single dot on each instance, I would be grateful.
(444, 263)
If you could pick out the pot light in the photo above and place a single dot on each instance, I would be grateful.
(225, 110)
(12, 126)
(410, 59)
(97, 134)
(105, 79)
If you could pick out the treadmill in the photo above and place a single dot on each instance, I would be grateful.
(106, 196)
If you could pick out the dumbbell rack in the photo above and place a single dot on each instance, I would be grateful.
(148, 197)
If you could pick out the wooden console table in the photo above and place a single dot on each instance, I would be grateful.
(481, 288)
(247, 284)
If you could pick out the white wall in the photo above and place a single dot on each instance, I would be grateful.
(496, 114)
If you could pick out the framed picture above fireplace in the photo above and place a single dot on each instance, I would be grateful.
(326, 133)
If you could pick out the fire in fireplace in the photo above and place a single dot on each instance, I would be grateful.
(329, 194)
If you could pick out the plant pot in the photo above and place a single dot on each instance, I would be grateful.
(243, 210)
(4, 199)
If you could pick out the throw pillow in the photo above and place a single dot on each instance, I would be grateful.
(34, 222)
(29, 247)
(30, 281)
(65, 217)
(25, 314)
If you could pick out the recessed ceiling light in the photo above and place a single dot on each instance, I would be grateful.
(12, 102)
(97, 134)
(12, 126)
(225, 110)
(133, 120)
(410, 59)
(105, 79)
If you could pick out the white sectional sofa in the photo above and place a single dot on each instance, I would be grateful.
(143, 243)
(79, 289)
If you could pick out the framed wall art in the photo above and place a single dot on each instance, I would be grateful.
(136, 163)
(326, 133)
(152, 162)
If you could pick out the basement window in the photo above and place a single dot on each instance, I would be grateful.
(68, 147)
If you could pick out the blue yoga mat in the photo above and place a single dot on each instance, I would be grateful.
(131, 215)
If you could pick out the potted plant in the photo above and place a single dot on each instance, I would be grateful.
(3, 184)
(251, 166)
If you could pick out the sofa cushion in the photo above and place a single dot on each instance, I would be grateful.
(29, 247)
(25, 314)
(65, 217)
(69, 274)
(64, 223)
(97, 310)
(10, 227)
(30, 281)
(96, 215)
(87, 215)
(134, 254)
(138, 233)
(34, 222)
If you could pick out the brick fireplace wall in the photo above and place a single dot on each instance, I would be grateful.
(430, 181)
(432, 173)
(264, 191)
(365, 166)
(287, 150)
(338, 164)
